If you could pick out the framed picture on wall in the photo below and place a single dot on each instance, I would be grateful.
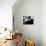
(28, 20)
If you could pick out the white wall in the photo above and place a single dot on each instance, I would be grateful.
(43, 22)
(6, 17)
(6, 13)
(29, 8)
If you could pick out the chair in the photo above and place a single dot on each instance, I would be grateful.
(18, 39)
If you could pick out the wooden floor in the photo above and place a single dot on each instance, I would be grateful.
(9, 43)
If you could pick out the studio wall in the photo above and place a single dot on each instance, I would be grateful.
(28, 8)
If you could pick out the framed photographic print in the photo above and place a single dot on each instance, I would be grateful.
(28, 19)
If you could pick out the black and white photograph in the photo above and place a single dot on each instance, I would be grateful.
(28, 20)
